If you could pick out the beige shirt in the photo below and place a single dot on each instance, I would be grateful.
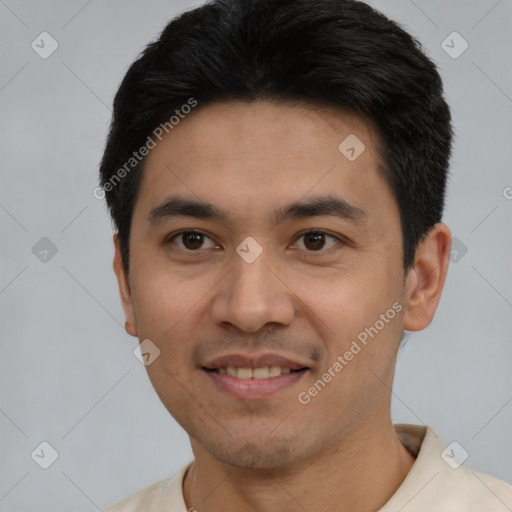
(435, 483)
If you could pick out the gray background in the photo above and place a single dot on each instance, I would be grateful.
(68, 373)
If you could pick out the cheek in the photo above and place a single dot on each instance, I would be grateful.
(163, 296)
(348, 301)
(168, 309)
(357, 314)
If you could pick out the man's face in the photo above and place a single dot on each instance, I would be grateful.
(323, 276)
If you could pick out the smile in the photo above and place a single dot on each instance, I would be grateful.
(264, 372)
(253, 383)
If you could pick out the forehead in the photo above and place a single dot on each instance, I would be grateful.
(248, 155)
(228, 130)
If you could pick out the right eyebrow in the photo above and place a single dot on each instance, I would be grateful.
(180, 207)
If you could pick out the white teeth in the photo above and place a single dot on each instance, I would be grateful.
(244, 373)
(260, 373)
(275, 371)
(257, 373)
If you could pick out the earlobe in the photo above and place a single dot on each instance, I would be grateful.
(124, 289)
(425, 281)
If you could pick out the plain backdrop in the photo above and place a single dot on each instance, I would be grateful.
(68, 373)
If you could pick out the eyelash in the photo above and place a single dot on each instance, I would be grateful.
(170, 239)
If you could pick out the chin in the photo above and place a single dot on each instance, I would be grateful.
(250, 455)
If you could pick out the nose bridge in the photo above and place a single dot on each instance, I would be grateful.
(252, 295)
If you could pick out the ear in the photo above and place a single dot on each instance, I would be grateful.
(424, 282)
(124, 289)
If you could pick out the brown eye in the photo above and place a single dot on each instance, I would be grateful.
(191, 240)
(317, 240)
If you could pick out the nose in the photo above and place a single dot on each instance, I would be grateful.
(252, 295)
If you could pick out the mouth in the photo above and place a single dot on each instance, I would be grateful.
(247, 378)
(265, 372)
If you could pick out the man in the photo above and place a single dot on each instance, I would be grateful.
(276, 172)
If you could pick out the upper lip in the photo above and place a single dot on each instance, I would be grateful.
(253, 361)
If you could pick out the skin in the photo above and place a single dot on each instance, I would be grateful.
(340, 451)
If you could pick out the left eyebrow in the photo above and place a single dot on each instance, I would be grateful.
(314, 207)
(321, 206)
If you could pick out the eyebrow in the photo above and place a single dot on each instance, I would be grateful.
(316, 206)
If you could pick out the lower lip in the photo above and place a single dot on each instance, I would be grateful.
(247, 389)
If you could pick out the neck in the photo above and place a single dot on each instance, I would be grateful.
(360, 473)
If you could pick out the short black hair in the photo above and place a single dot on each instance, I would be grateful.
(342, 53)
